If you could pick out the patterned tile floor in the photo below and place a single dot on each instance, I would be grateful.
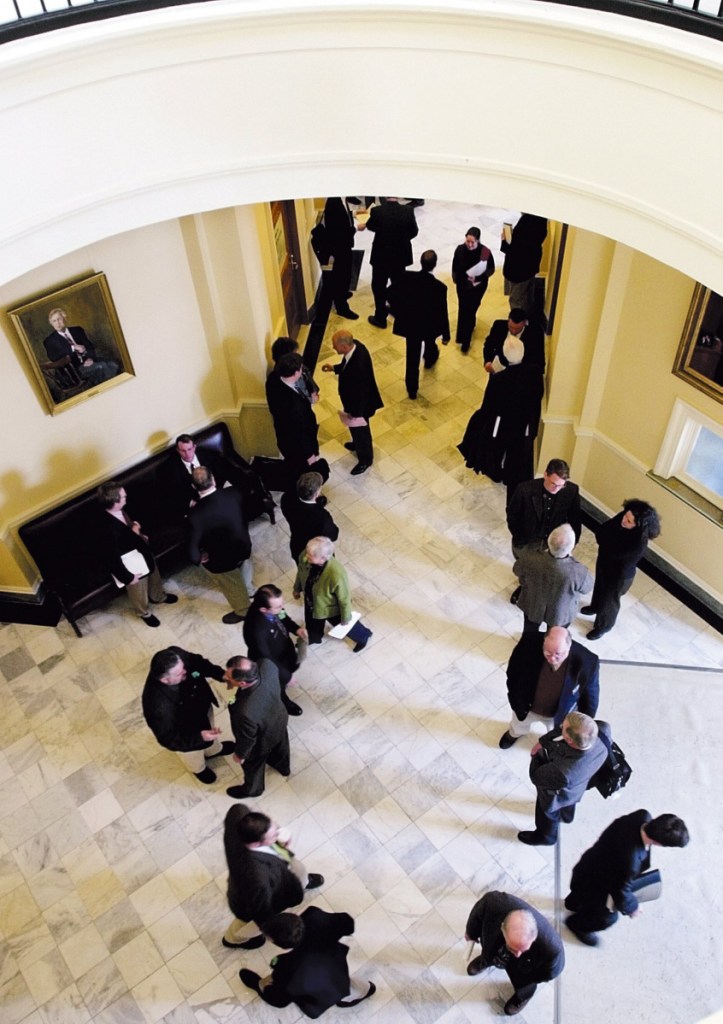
(112, 872)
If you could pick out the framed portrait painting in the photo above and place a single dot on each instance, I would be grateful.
(74, 343)
(699, 359)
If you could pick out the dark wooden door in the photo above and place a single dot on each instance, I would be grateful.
(286, 238)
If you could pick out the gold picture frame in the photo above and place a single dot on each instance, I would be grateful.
(699, 359)
(73, 341)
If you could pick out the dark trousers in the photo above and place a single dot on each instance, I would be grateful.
(547, 821)
(382, 277)
(414, 355)
(340, 278)
(362, 438)
(468, 303)
(590, 912)
(606, 600)
(279, 757)
(315, 629)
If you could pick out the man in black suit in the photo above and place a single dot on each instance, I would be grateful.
(312, 972)
(178, 468)
(548, 675)
(611, 866)
(518, 326)
(523, 255)
(178, 706)
(359, 395)
(419, 306)
(294, 422)
(259, 721)
(394, 227)
(518, 939)
(538, 506)
(340, 232)
(306, 513)
(71, 346)
(220, 542)
(265, 877)
(120, 540)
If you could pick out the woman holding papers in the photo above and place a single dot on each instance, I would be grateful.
(324, 583)
(472, 267)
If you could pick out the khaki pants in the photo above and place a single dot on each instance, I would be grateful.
(237, 585)
(139, 593)
(195, 760)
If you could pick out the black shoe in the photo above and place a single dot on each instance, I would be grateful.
(239, 792)
(465, 349)
(476, 966)
(168, 599)
(355, 1002)
(507, 740)
(362, 644)
(412, 396)
(588, 610)
(231, 618)
(250, 979)
(151, 620)
(227, 747)
(595, 634)
(535, 839)
(347, 313)
(315, 881)
(255, 943)
(513, 1007)
(587, 938)
(567, 814)
(206, 776)
(314, 641)
(293, 708)
(359, 469)
(350, 446)
(515, 595)
(377, 323)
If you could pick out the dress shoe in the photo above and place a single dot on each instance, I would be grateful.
(151, 620)
(206, 776)
(227, 747)
(359, 469)
(313, 641)
(412, 396)
(535, 839)
(255, 943)
(314, 881)
(250, 979)
(293, 708)
(362, 644)
(355, 1002)
(377, 323)
(239, 792)
(515, 595)
(465, 349)
(567, 814)
(513, 1007)
(595, 634)
(231, 618)
(476, 966)
(588, 610)
(347, 313)
(507, 740)
(168, 599)
(587, 938)
(350, 446)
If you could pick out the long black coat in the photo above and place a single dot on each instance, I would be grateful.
(394, 227)
(315, 975)
(419, 306)
(580, 689)
(176, 715)
(115, 538)
(358, 389)
(294, 422)
(306, 519)
(523, 254)
(525, 514)
(532, 337)
(259, 884)
(610, 865)
(545, 958)
(219, 528)
(265, 638)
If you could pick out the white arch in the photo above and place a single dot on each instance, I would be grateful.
(586, 117)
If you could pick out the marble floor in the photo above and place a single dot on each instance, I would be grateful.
(112, 871)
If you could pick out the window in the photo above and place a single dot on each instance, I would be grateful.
(692, 453)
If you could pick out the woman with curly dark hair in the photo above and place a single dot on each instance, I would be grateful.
(622, 542)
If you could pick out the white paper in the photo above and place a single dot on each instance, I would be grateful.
(478, 269)
(135, 563)
(340, 631)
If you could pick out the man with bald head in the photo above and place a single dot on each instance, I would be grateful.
(548, 675)
(518, 939)
(359, 395)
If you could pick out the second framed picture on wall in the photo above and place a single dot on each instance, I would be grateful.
(74, 342)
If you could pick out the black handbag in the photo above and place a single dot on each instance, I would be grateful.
(613, 774)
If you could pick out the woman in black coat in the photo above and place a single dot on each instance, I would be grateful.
(470, 289)
(267, 633)
(622, 542)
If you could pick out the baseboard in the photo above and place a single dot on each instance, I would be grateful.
(41, 609)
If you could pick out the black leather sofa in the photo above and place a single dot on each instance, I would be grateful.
(61, 541)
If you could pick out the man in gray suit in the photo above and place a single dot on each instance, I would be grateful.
(552, 582)
(562, 764)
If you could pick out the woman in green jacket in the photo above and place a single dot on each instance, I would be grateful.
(324, 583)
